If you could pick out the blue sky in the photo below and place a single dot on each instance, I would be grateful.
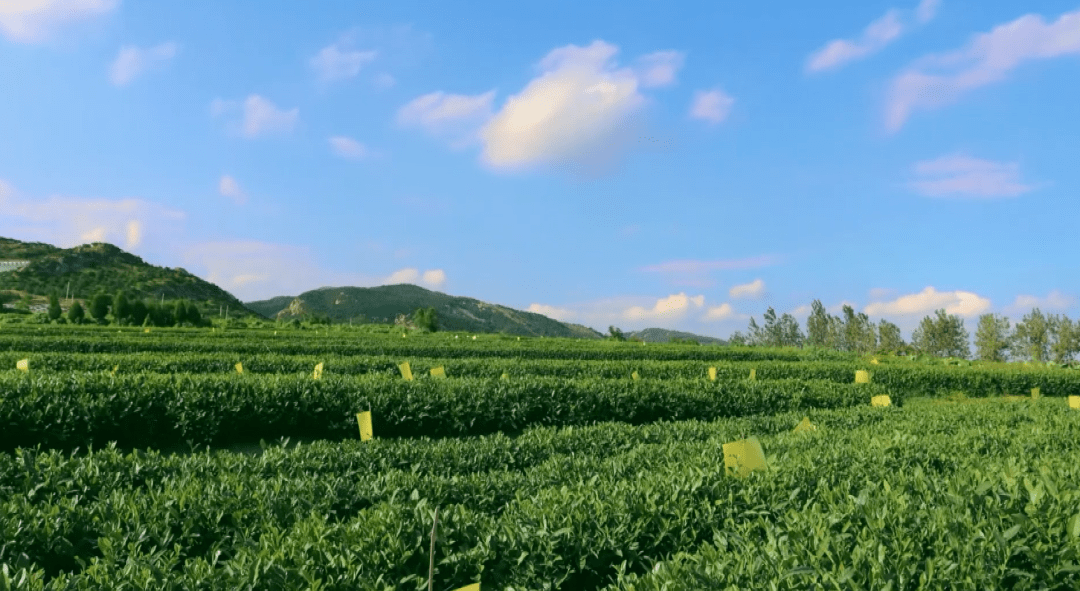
(673, 164)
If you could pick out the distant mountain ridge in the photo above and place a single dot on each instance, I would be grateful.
(385, 303)
(663, 335)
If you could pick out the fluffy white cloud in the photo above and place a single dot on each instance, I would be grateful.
(228, 187)
(560, 314)
(961, 303)
(754, 289)
(659, 68)
(965, 176)
(722, 312)
(1054, 301)
(580, 112)
(672, 307)
(986, 59)
(713, 106)
(70, 221)
(348, 148)
(876, 36)
(260, 116)
(337, 61)
(454, 116)
(434, 277)
(30, 21)
(132, 61)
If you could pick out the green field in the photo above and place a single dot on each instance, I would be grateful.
(177, 472)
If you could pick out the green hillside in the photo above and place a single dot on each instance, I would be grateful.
(385, 303)
(663, 335)
(90, 268)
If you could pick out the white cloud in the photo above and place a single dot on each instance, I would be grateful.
(722, 312)
(337, 61)
(1054, 301)
(132, 61)
(71, 221)
(560, 314)
(262, 116)
(659, 68)
(961, 303)
(672, 307)
(580, 112)
(965, 176)
(986, 59)
(700, 266)
(402, 276)
(926, 10)
(875, 36)
(754, 289)
(713, 106)
(434, 277)
(448, 115)
(803, 310)
(348, 148)
(31, 21)
(228, 187)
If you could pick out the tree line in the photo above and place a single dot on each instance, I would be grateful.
(119, 310)
(1037, 337)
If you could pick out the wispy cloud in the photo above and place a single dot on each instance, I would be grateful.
(339, 61)
(560, 314)
(349, 148)
(452, 116)
(876, 36)
(959, 175)
(260, 116)
(33, 21)
(961, 303)
(754, 289)
(941, 79)
(132, 61)
(228, 187)
(1055, 301)
(713, 106)
(659, 68)
(700, 266)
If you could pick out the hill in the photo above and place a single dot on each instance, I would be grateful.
(663, 335)
(90, 268)
(385, 303)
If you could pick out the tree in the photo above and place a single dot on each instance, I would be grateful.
(195, 318)
(889, 338)
(738, 338)
(7, 297)
(817, 326)
(121, 309)
(76, 313)
(756, 337)
(99, 307)
(54, 307)
(426, 319)
(1064, 340)
(942, 336)
(992, 337)
(1031, 338)
(179, 312)
(790, 334)
(615, 333)
(138, 312)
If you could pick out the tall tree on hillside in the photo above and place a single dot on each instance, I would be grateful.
(54, 306)
(992, 337)
(99, 307)
(889, 338)
(138, 312)
(76, 313)
(426, 319)
(121, 309)
(1031, 339)
(1064, 340)
(943, 335)
(817, 326)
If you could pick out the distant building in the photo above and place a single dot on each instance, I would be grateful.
(12, 265)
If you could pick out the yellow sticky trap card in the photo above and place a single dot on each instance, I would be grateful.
(882, 400)
(1035, 395)
(874, 361)
(438, 372)
(862, 376)
(712, 374)
(505, 376)
(146, 330)
(804, 425)
(23, 364)
(239, 368)
(473, 587)
(318, 371)
(753, 374)
(1074, 402)
(743, 457)
(405, 371)
(115, 367)
(635, 376)
(364, 419)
